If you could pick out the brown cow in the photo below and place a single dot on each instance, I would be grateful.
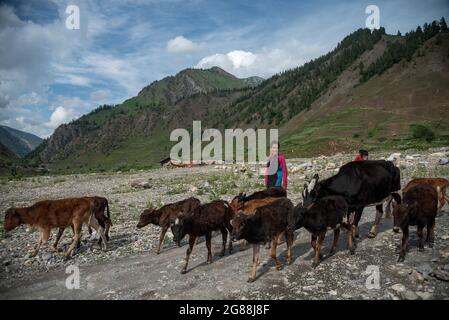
(99, 205)
(63, 213)
(266, 225)
(440, 185)
(166, 216)
(419, 208)
(206, 218)
(240, 199)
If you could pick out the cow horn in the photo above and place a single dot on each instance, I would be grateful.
(312, 183)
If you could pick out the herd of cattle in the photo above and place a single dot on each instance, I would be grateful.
(264, 217)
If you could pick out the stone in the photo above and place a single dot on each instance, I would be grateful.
(416, 276)
(424, 295)
(443, 161)
(330, 166)
(425, 269)
(441, 275)
(141, 185)
(398, 287)
(409, 295)
(394, 156)
(46, 256)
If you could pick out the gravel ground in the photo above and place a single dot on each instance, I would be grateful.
(131, 270)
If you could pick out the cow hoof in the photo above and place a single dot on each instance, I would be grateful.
(315, 264)
(209, 261)
(372, 234)
(331, 253)
(158, 252)
(352, 251)
(222, 253)
(183, 271)
(278, 267)
(251, 280)
(430, 245)
(401, 259)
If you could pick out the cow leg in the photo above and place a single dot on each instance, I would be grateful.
(388, 208)
(108, 224)
(379, 212)
(420, 232)
(289, 239)
(224, 237)
(313, 241)
(192, 239)
(93, 222)
(161, 238)
(357, 216)
(334, 243)
(256, 249)
(228, 228)
(430, 233)
(351, 245)
(45, 234)
(76, 238)
(274, 244)
(58, 237)
(242, 245)
(73, 232)
(318, 245)
(209, 246)
(403, 244)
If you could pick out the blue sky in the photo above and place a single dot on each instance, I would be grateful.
(50, 75)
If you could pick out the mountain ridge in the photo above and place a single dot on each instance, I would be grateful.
(17, 141)
(307, 103)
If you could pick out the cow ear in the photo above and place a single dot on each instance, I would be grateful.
(396, 198)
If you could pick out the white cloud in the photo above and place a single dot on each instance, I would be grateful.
(61, 115)
(182, 45)
(265, 63)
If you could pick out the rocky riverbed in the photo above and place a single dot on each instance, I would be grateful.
(131, 269)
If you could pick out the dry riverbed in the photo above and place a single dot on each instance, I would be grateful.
(131, 269)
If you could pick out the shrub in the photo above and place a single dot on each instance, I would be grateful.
(420, 131)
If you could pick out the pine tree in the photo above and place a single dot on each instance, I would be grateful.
(443, 25)
(399, 33)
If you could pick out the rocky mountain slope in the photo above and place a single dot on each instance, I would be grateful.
(373, 90)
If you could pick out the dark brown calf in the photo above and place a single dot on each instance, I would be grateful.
(419, 208)
(63, 213)
(166, 216)
(206, 218)
(266, 225)
(327, 213)
(440, 185)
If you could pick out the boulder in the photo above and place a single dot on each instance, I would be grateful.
(443, 161)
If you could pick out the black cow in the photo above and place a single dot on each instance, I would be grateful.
(362, 184)
(327, 213)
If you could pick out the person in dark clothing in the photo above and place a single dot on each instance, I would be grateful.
(363, 155)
